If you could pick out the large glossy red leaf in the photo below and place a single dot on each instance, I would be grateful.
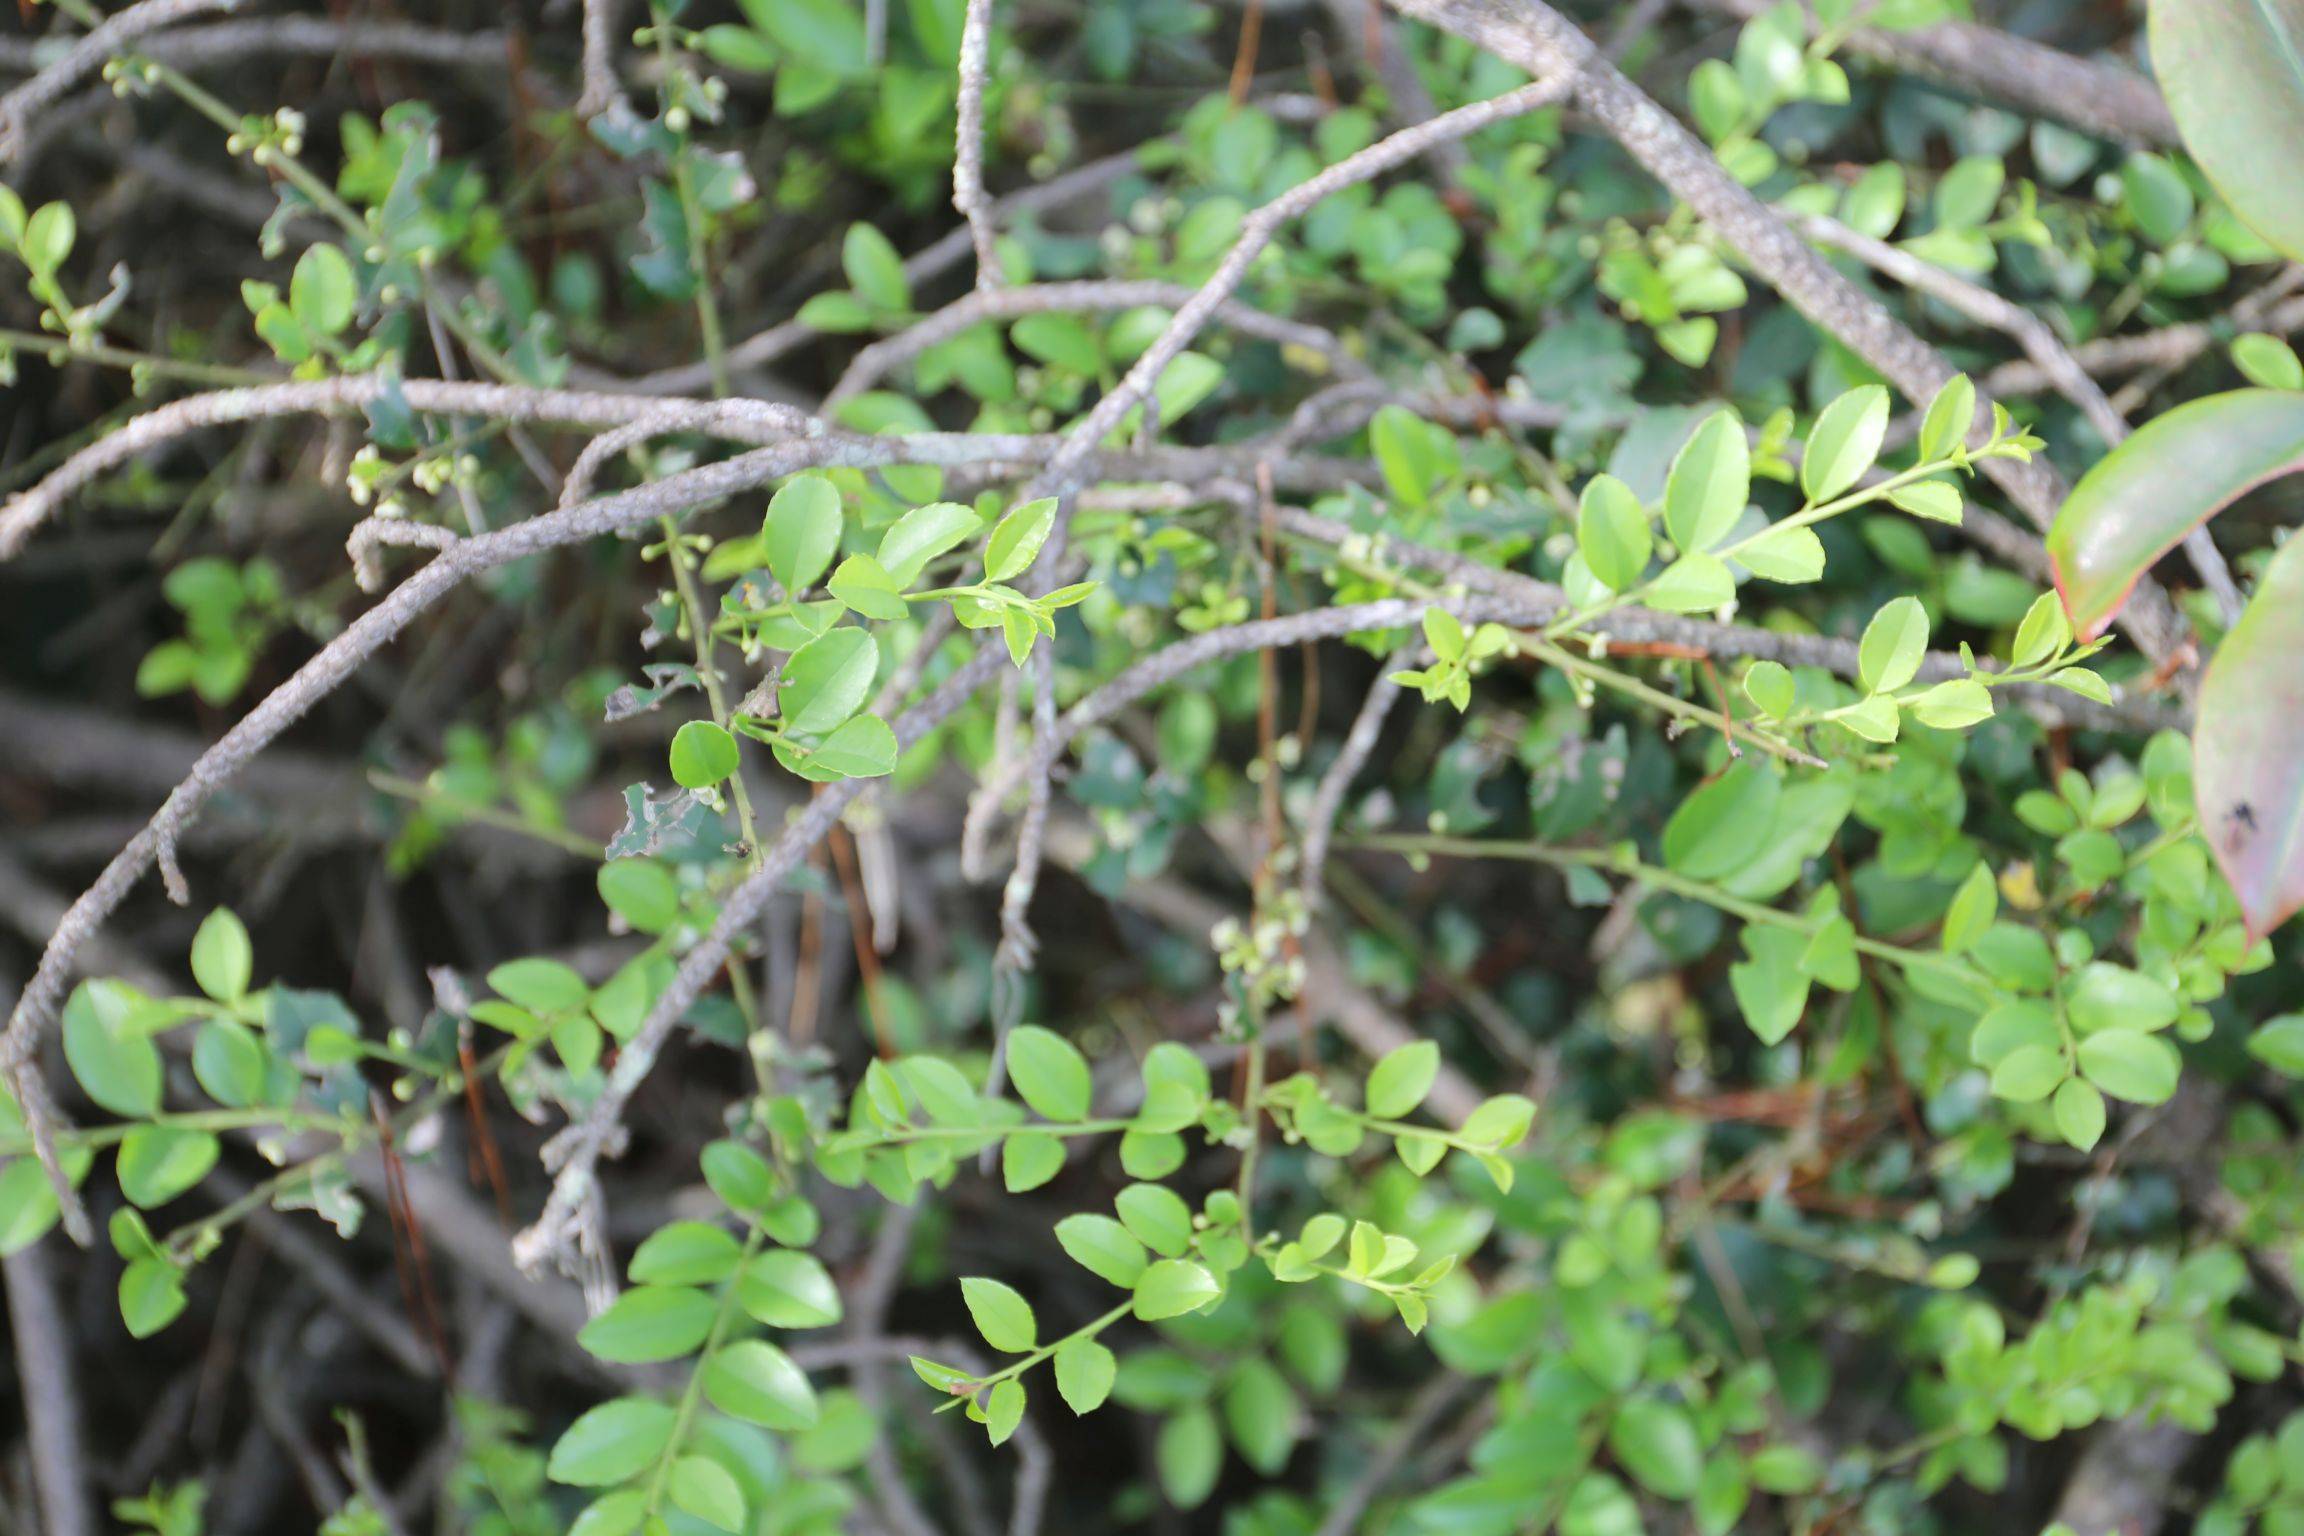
(2180, 470)
(2248, 750)
(2233, 73)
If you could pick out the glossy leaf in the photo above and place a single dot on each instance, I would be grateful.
(2177, 472)
(2233, 73)
(2248, 749)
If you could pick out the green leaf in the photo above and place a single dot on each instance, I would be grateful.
(1001, 1314)
(1187, 1455)
(1157, 1215)
(1399, 1082)
(702, 1487)
(801, 532)
(158, 1163)
(1263, 1415)
(1029, 1160)
(1894, 644)
(229, 1063)
(151, 1296)
(323, 291)
(1657, 1443)
(1974, 905)
(2179, 470)
(1937, 501)
(1769, 986)
(740, 1176)
(1612, 534)
(1017, 538)
(755, 1381)
(1710, 483)
(47, 238)
(1845, 443)
(1789, 555)
(112, 1058)
(2079, 1112)
(703, 753)
(827, 680)
(782, 1288)
(1048, 1073)
(1950, 416)
(2106, 996)
(861, 748)
(2248, 748)
(540, 986)
(1173, 1287)
(1969, 192)
(650, 1323)
(1004, 1410)
(1415, 456)
(2279, 1044)
(1770, 687)
(1692, 584)
(874, 270)
(2233, 73)
(1104, 1248)
(2131, 1065)
(2029, 1074)
(686, 1253)
(922, 534)
(2268, 362)
(1953, 705)
(1061, 341)
(2157, 197)
(1723, 825)
(864, 585)
(1498, 1124)
(222, 960)
(1084, 1374)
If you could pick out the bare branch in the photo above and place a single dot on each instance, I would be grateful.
(968, 159)
(51, 1392)
(602, 90)
(116, 33)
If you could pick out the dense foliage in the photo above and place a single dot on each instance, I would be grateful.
(1289, 769)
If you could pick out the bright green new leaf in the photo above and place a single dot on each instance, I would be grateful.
(1172, 1288)
(1845, 443)
(1104, 1248)
(755, 1381)
(1710, 483)
(612, 1442)
(828, 680)
(1016, 539)
(1894, 644)
(1612, 533)
(222, 959)
(703, 753)
(1398, 1082)
(922, 534)
(1001, 1314)
(2129, 1064)
(1049, 1074)
(801, 532)
(650, 1323)
(1084, 1373)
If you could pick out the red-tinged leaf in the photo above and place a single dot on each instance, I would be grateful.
(2233, 73)
(2180, 470)
(2248, 751)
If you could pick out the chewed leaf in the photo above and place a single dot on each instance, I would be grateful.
(2172, 476)
(2248, 752)
(2233, 73)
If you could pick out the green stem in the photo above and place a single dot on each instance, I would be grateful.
(487, 815)
(124, 357)
(1087, 1331)
(692, 1394)
(1614, 861)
